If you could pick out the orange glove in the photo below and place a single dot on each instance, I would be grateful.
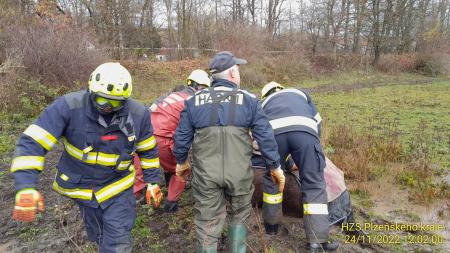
(183, 170)
(154, 192)
(278, 178)
(28, 203)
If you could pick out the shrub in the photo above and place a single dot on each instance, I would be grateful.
(328, 63)
(434, 64)
(56, 55)
(360, 155)
(394, 63)
(44, 59)
(25, 96)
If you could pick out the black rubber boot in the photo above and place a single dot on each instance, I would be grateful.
(322, 247)
(271, 229)
(170, 206)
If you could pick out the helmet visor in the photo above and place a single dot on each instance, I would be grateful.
(104, 101)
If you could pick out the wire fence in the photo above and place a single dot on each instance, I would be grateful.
(168, 54)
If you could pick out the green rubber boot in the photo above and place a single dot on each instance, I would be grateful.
(207, 249)
(237, 236)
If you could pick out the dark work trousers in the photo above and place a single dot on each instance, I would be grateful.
(111, 227)
(307, 154)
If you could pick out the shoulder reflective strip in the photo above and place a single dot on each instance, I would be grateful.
(294, 121)
(115, 188)
(298, 92)
(318, 118)
(76, 193)
(92, 157)
(146, 144)
(150, 163)
(41, 136)
(176, 97)
(315, 208)
(272, 198)
(124, 165)
(27, 163)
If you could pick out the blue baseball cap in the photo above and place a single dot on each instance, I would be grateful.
(223, 61)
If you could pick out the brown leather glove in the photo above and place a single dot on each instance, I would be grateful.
(183, 170)
(278, 178)
(28, 203)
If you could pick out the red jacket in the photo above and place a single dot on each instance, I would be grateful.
(165, 112)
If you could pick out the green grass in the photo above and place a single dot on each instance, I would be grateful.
(411, 110)
(11, 126)
(349, 78)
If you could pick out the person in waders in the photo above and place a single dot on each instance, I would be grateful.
(216, 122)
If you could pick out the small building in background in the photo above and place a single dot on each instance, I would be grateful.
(161, 57)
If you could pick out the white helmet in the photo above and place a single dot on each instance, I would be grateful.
(111, 80)
(200, 77)
(269, 87)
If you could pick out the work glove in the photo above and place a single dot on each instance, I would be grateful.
(154, 192)
(183, 170)
(278, 178)
(28, 203)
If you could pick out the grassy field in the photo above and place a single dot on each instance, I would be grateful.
(406, 110)
(389, 133)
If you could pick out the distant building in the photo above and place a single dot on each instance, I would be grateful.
(161, 57)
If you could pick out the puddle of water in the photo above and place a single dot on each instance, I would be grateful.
(392, 203)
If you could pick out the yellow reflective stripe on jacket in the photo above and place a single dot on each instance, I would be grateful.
(85, 194)
(315, 208)
(115, 188)
(150, 163)
(106, 159)
(27, 163)
(91, 157)
(272, 198)
(41, 136)
(146, 144)
(123, 165)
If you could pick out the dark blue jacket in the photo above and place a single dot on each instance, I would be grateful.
(97, 156)
(248, 114)
(292, 110)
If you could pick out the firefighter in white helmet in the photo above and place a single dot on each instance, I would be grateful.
(101, 129)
